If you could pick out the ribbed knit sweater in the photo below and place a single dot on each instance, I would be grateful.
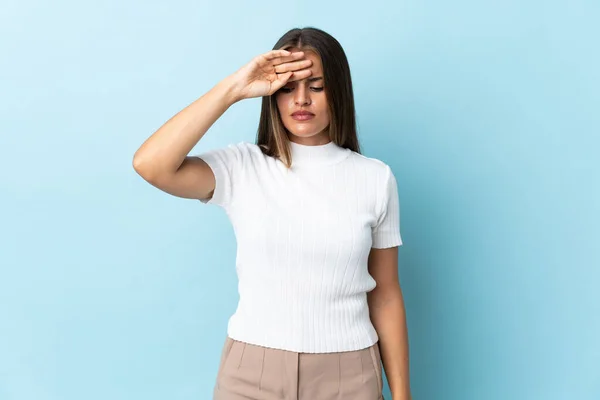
(303, 239)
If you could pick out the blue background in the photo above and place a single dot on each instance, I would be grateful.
(487, 111)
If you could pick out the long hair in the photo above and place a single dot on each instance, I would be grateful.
(272, 137)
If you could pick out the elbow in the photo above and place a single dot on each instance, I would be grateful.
(138, 163)
(143, 167)
(382, 297)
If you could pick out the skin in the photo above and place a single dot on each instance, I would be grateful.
(307, 94)
(388, 315)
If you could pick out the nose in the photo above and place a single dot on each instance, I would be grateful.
(301, 96)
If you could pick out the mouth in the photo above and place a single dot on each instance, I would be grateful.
(302, 115)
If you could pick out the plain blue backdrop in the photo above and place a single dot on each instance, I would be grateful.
(487, 112)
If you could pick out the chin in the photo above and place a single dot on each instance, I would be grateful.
(305, 131)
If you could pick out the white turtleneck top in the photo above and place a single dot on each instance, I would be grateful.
(303, 239)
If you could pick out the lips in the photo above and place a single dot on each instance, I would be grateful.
(302, 115)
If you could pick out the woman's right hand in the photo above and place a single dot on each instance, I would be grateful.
(268, 72)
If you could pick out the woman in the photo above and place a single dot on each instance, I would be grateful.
(316, 223)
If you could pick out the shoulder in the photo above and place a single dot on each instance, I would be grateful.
(242, 151)
(378, 169)
(247, 147)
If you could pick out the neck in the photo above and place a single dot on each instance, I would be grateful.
(304, 155)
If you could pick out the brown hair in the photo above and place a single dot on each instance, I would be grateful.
(272, 137)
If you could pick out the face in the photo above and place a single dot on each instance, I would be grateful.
(306, 95)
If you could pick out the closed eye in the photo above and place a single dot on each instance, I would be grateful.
(288, 89)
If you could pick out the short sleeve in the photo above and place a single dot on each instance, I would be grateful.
(227, 165)
(386, 232)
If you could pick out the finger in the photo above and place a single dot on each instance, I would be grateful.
(280, 60)
(293, 66)
(299, 75)
(270, 55)
(281, 80)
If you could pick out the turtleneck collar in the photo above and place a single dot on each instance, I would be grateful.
(318, 155)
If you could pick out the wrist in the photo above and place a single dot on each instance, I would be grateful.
(404, 396)
(230, 90)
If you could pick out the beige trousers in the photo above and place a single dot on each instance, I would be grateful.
(250, 372)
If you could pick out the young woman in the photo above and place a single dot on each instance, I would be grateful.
(316, 223)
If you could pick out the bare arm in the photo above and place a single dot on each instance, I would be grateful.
(163, 159)
(386, 307)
